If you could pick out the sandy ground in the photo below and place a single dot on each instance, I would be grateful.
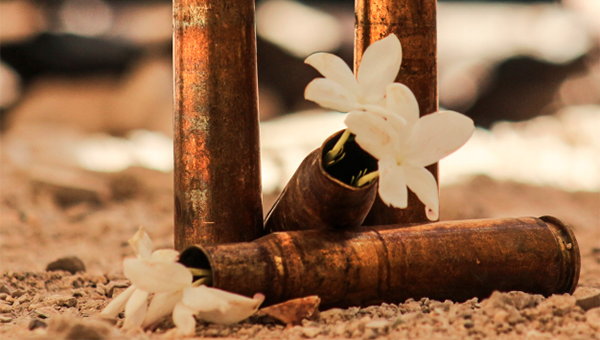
(61, 211)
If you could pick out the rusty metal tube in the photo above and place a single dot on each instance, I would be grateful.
(217, 162)
(414, 22)
(315, 199)
(454, 260)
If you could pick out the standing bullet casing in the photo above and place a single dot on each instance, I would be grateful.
(217, 162)
(414, 23)
(454, 260)
(314, 199)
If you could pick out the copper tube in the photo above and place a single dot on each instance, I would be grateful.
(217, 162)
(315, 199)
(414, 22)
(454, 260)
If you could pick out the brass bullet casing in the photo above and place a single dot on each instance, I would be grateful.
(315, 199)
(414, 23)
(218, 195)
(455, 260)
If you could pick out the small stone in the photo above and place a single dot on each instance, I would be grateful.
(310, 332)
(18, 293)
(71, 264)
(5, 308)
(5, 319)
(3, 296)
(64, 301)
(6, 289)
(587, 297)
(41, 314)
(469, 324)
(592, 317)
(37, 323)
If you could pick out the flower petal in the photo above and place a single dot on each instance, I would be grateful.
(392, 184)
(162, 304)
(423, 184)
(135, 310)
(156, 277)
(218, 306)
(330, 94)
(401, 101)
(379, 67)
(141, 243)
(437, 135)
(117, 304)
(334, 68)
(165, 255)
(373, 133)
(183, 318)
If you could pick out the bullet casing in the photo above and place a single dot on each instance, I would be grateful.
(216, 133)
(414, 23)
(454, 260)
(314, 199)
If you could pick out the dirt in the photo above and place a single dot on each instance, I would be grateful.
(64, 212)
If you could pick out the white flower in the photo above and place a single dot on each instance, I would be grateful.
(405, 144)
(341, 91)
(171, 282)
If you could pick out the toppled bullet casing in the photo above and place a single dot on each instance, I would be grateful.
(314, 199)
(454, 260)
(217, 162)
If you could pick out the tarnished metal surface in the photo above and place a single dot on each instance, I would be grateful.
(454, 260)
(217, 163)
(414, 22)
(313, 199)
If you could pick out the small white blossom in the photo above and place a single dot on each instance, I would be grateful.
(341, 91)
(171, 282)
(405, 144)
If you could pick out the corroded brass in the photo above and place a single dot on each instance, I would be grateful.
(217, 162)
(454, 260)
(315, 199)
(414, 22)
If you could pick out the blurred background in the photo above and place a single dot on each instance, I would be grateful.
(87, 84)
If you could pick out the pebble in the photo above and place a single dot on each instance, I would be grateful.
(5, 319)
(310, 332)
(592, 317)
(5, 308)
(18, 293)
(71, 264)
(3, 296)
(6, 289)
(587, 297)
(37, 323)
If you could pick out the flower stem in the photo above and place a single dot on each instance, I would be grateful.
(366, 179)
(202, 281)
(200, 272)
(338, 148)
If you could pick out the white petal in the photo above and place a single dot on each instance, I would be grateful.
(162, 304)
(437, 135)
(218, 306)
(373, 133)
(401, 101)
(141, 243)
(156, 277)
(379, 67)
(183, 318)
(117, 304)
(330, 94)
(334, 68)
(423, 184)
(165, 255)
(392, 184)
(135, 310)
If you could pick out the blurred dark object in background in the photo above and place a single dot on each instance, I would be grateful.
(498, 60)
(68, 55)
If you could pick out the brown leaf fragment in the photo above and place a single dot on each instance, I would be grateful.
(292, 312)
